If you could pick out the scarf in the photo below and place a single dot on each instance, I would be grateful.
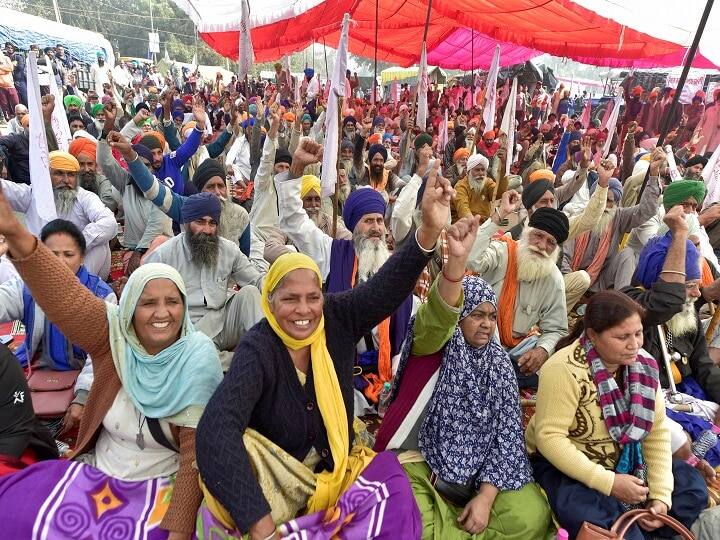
(347, 466)
(473, 425)
(598, 260)
(629, 413)
(508, 296)
(176, 383)
(64, 355)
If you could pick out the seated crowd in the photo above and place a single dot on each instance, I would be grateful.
(433, 351)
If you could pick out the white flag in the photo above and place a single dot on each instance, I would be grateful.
(508, 126)
(711, 175)
(491, 91)
(611, 125)
(42, 205)
(193, 64)
(288, 74)
(422, 90)
(443, 133)
(167, 56)
(59, 121)
(332, 130)
(246, 55)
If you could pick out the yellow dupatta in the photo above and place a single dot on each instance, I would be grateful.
(348, 466)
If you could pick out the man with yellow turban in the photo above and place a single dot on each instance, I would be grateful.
(72, 203)
(85, 151)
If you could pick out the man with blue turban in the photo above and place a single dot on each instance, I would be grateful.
(310, 86)
(346, 263)
(210, 266)
(667, 285)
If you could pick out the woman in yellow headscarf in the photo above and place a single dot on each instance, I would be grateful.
(277, 440)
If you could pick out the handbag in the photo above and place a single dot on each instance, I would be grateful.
(588, 531)
(52, 391)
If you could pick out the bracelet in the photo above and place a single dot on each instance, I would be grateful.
(425, 251)
(445, 276)
(692, 460)
(502, 221)
(676, 272)
(271, 535)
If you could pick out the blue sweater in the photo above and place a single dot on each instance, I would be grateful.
(171, 170)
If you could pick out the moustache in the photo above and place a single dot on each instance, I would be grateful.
(539, 252)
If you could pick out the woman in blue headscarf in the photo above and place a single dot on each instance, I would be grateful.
(132, 472)
(456, 417)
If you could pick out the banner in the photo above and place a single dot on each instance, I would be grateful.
(611, 125)
(422, 90)
(246, 56)
(508, 126)
(332, 129)
(491, 91)
(42, 205)
(443, 133)
(59, 121)
(692, 85)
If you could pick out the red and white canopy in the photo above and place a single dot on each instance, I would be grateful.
(641, 33)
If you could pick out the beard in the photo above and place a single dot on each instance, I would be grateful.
(314, 215)
(65, 198)
(204, 248)
(376, 170)
(604, 221)
(100, 125)
(476, 185)
(371, 252)
(347, 164)
(344, 192)
(88, 181)
(685, 322)
(534, 263)
(460, 169)
(690, 175)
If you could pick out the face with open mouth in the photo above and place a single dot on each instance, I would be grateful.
(297, 303)
(158, 315)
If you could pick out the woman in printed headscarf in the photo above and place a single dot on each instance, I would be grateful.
(133, 475)
(284, 411)
(455, 415)
(599, 442)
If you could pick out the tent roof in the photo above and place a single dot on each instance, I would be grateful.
(642, 33)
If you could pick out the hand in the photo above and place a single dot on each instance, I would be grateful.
(605, 171)
(586, 150)
(696, 138)
(629, 489)
(308, 152)
(48, 106)
(262, 528)
(115, 140)
(9, 224)
(110, 115)
(656, 160)
(708, 472)
(435, 207)
(274, 122)
(675, 220)
(72, 417)
(140, 117)
(476, 515)
(3, 245)
(656, 507)
(134, 262)
(509, 203)
(461, 236)
(532, 361)
(199, 113)
(632, 127)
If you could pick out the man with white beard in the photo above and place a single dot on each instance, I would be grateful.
(596, 251)
(527, 282)
(73, 203)
(476, 189)
(667, 285)
(345, 264)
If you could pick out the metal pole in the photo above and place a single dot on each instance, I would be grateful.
(327, 73)
(681, 83)
(377, 21)
(57, 11)
(336, 200)
(152, 27)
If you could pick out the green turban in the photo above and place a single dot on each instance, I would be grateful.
(681, 190)
(72, 100)
(96, 109)
(421, 140)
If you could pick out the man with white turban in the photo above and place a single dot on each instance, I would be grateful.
(476, 192)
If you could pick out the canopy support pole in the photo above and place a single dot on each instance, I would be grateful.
(689, 57)
(472, 63)
(327, 73)
(377, 22)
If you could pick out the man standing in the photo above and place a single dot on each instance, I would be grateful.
(100, 73)
(8, 94)
(527, 282)
(15, 123)
(19, 76)
(75, 204)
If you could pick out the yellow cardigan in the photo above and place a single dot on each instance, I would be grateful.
(469, 202)
(569, 431)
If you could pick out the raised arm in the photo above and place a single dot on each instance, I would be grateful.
(634, 216)
(596, 205)
(401, 218)
(482, 256)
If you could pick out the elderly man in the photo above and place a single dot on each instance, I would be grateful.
(459, 167)
(210, 265)
(346, 263)
(91, 179)
(477, 192)
(75, 204)
(15, 123)
(694, 168)
(596, 251)
(528, 284)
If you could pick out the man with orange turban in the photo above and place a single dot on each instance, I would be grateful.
(458, 168)
(91, 179)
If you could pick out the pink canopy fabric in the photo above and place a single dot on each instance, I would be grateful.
(592, 31)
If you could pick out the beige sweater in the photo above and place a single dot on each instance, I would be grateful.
(569, 431)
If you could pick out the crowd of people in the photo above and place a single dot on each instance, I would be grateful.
(438, 349)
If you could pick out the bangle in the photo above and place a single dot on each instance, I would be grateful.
(425, 251)
(502, 221)
(445, 276)
(676, 272)
(271, 535)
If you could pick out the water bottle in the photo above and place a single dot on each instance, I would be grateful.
(384, 399)
(707, 440)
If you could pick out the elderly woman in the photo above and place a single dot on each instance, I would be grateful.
(153, 376)
(456, 414)
(599, 441)
(284, 411)
(45, 346)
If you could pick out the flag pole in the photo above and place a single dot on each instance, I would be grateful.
(681, 83)
(336, 200)
(377, 19)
